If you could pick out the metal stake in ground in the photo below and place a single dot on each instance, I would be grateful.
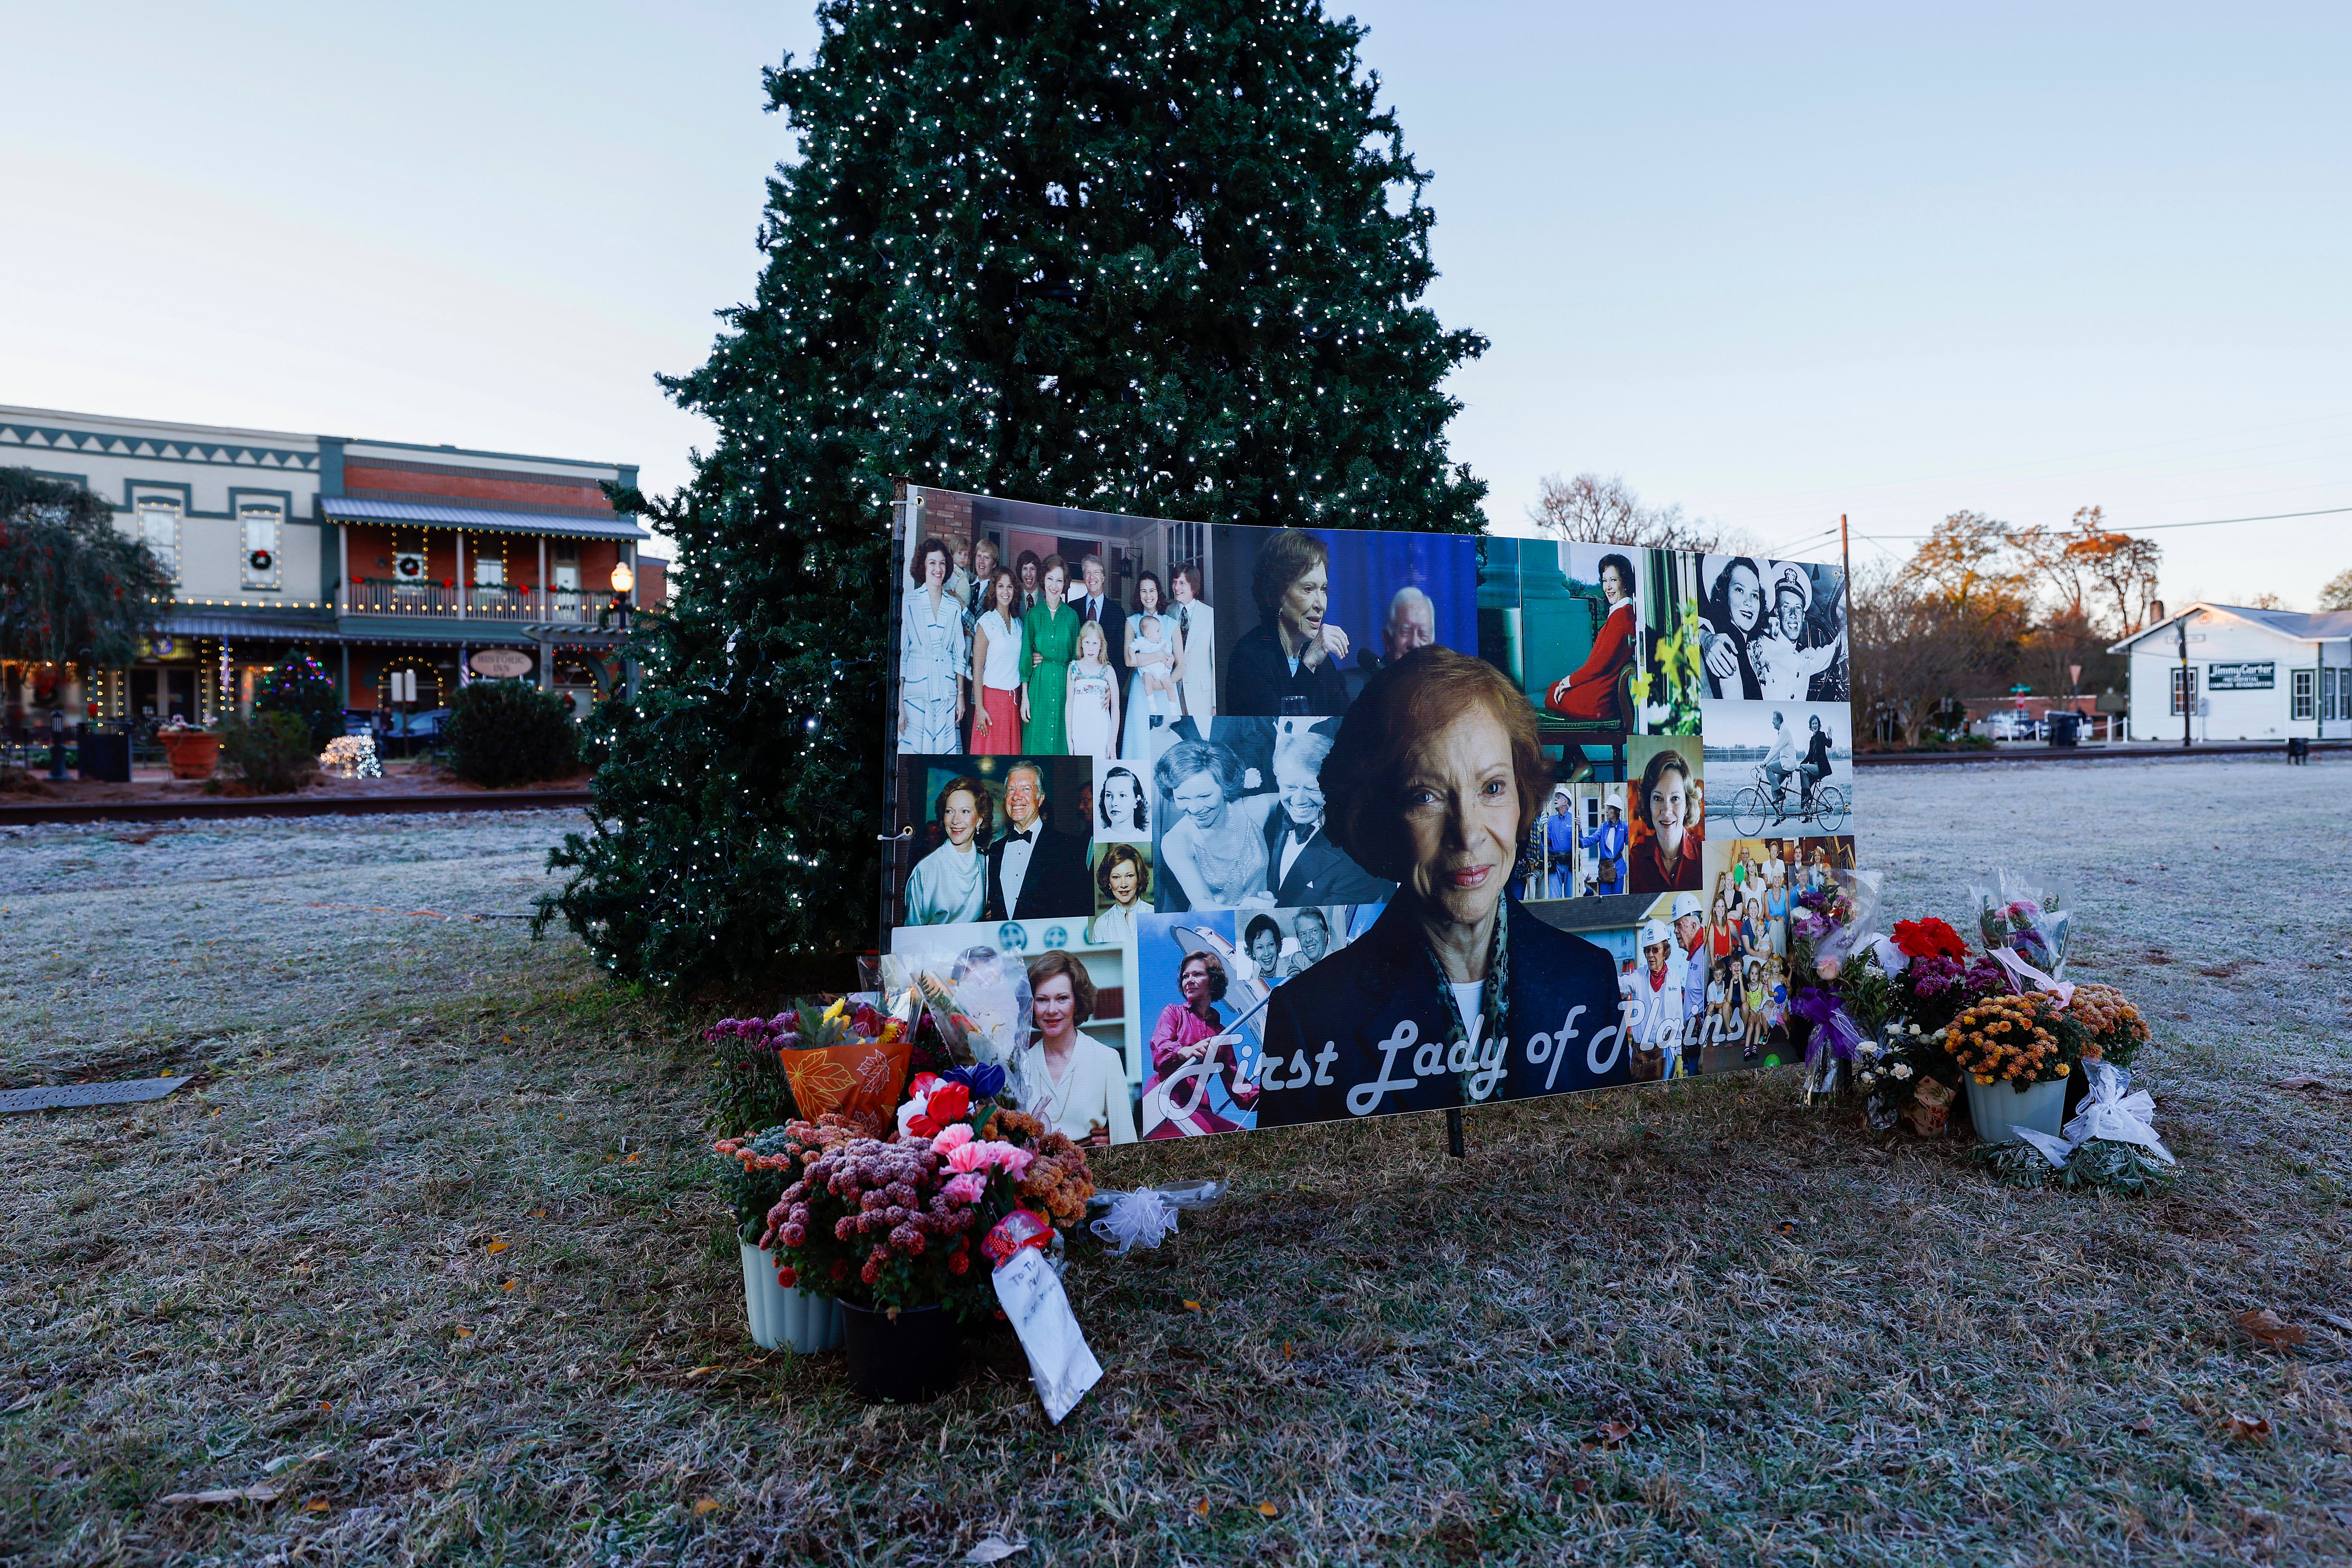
(1454, 1133)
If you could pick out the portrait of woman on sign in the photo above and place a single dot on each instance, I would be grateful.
(950, 885)
(1292, 661)
(1590, 692)
(1731, 616)
(1457, 995)
(1212, 849)
(1074, 1084)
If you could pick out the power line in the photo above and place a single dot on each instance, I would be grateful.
(2153, 527)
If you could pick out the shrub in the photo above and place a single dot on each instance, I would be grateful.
(270, 752)
(300, 685)
(503, 732)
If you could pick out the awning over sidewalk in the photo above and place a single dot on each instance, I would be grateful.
(485, 520)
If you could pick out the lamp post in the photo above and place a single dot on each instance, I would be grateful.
(56, 744)
(624, 580)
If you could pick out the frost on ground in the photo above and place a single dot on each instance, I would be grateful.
(428, 1249)
(127, 940)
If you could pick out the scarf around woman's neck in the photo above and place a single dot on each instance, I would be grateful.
(1494, 1011)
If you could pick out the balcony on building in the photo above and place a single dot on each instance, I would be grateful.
(472, 564)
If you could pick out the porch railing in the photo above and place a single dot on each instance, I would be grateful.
(430, 599)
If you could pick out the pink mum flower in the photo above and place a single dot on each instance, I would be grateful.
(1005, 1157)
(968, 1188)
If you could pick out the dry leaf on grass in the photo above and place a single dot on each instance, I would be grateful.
(318, 1505)
(227, 1494)
(1614, 1432)
(2268, 1328)
(996, 1548)
(2317, 1088)
(706, 1505)
(498, 1246)
(2246, 1429)
(1202, 1508)
(1269, 1509)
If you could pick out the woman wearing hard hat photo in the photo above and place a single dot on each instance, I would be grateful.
(1457, 995)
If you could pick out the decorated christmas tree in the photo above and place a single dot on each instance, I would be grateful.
(1159, 257)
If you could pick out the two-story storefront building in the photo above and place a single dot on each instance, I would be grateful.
(374, 557)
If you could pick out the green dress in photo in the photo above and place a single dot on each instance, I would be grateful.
(1055, 634)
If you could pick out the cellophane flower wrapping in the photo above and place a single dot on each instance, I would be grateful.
(978, 1003)
(2030, 916)
(1831, 924)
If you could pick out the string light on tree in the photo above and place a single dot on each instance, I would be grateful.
(1156, 257)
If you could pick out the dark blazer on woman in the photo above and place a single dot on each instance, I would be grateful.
(1258, 679)
(1381, 987)
(1323, 874)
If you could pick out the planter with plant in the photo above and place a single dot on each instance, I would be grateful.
(902, 1229)
(194, 752)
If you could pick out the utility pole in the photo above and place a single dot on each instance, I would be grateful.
(2187, 696)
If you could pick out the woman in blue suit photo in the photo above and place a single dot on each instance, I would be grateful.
(1457, 995)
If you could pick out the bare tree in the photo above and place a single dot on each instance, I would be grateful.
(2337, 592)
(1589, 509)
(1906, 662)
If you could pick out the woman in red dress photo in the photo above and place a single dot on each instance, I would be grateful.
(1591, 693)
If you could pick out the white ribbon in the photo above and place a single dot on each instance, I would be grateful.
(1140, 1218)
(2112, 1111)
(2061, 989)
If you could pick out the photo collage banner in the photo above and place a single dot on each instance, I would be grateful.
(1290, 826)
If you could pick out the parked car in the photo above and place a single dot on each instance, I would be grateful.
(2009, 724)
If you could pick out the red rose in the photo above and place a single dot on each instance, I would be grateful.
(950, 1103)
(958, 1264)
(1929, 938)
(787, 1277)
(922, 1126)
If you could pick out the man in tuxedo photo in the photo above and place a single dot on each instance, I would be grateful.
(1303, 866)
(1033, 872)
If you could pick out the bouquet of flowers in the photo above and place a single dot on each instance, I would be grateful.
(752, 1178)
(892, 1222)
(822, 1055)
(1832, 923)
(977, 1000)
(2019, 916)
(2111, 1027)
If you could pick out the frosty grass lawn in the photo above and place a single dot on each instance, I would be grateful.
(429, 1250)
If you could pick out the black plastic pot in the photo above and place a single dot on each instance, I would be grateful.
(910, 1361)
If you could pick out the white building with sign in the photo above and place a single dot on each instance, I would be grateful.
(2242, 674)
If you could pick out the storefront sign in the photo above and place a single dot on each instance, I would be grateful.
(1231, 805)
(2248, 677)
(502, 664)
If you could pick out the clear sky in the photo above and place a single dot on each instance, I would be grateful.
(1772, 263)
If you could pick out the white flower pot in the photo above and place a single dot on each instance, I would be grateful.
(1999, 1111)
(781, 1315)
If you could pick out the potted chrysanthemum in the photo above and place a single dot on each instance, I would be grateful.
(902, 1229)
